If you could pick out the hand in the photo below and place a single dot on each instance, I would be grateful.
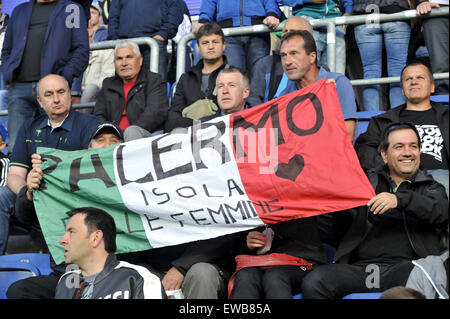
(332, 81)
(158, 37)
(382, 202)
(36, 160)
(34, 179)
(173, 279)
(196, 27)
(272, 22)
(255, 239)
(425, 7)
(344, 26)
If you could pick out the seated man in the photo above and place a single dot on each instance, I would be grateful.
(199, 82)
(403, 222)
(106, 134)
(134, 98)
(270, 69)
(430, 118)
(90, 243)
(60, 127)
(299, 59)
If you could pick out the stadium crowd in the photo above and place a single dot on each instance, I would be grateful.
(47, 67)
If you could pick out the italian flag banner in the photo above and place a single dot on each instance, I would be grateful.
(288, 158)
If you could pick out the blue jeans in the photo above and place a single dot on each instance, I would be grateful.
(22, 105)
(244, 51)
(7, 202)
(320, 35)
(369, 38)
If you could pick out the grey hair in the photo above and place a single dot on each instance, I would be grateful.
(231, 69)
(125, 44)
(38, 85)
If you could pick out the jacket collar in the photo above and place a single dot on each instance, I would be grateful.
(67, 124)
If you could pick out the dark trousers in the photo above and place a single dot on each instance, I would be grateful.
(335, 281)
(435, 31)
(278, 282)
(40, 287)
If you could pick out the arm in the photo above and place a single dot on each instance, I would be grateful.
(16, 178)
(366, 145)
(79, 50)
(114, 20)
(100, 104)
(207, 11)
(173, 19)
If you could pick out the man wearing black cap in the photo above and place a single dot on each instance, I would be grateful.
(106, 134)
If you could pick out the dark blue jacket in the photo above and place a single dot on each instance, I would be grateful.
(234, 13)
(144, 18)
(66, 49)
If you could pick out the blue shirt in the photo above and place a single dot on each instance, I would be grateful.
(73, 134)
(343, 87)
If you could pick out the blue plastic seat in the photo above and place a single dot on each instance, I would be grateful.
(20, 266)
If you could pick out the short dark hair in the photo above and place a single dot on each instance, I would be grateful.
(400, 292)
(210, 28)
(413, 63)
(384, 145)
(308, 39)
(98, 219)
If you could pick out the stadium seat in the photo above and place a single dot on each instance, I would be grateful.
(443, 99)
(362, 121)
(19, 266)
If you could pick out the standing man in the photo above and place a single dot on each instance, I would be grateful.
(158, 19)
(90, 243)
(403, 222)
(435, 31)
(199, 82)
(135, 98)
(60, 127)
(43, 37)
(430, 118)
(299, 60)
(245, 50)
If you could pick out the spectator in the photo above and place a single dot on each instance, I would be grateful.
(65, 51)
(200, 269)
(60, 127)
(242, 51)
(105, 134)
(146, 18)
(403, 222)
(197, 85)
(299, 58)
(134, 98)
(324, 9)
(101, 62)
(435, 32)
(90, 243)
(370, 37)
(270, 69)
(233, 89)
(287, 251)
(430, 118)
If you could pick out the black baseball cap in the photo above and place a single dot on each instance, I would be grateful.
(108, 128)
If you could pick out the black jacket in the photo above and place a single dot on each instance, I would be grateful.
(147, 102)
(423, 205)
(188, 91)
(117, 280)
(366, 145)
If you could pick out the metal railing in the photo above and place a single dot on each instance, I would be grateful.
(330, 24)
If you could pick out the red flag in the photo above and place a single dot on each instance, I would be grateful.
(303, 163)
